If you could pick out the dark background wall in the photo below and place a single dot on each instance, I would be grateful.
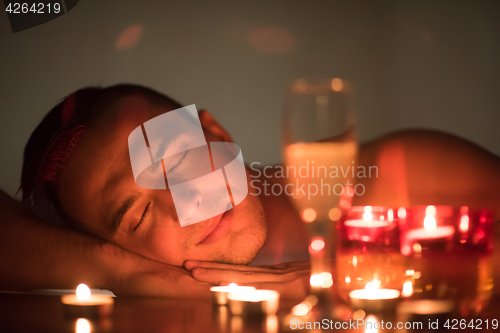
(432, 64)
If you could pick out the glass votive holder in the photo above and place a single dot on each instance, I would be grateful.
(370, 267)
(448, 254)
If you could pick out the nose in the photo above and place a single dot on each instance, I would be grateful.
(188, 206)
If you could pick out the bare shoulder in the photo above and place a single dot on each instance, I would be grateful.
(424, 166)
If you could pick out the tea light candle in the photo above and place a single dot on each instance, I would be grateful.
(257, 302)
(374, 299)
(431, 230)
(219, 293)
(366, 229)
(84, 304)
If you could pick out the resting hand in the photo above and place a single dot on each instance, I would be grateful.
(290, 279)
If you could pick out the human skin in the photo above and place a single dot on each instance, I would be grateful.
(98, 179)
(416, 167)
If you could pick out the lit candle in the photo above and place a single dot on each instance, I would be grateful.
(219, 293)
(366, 229)
(372, 298)
(84, 304)
(254, 302)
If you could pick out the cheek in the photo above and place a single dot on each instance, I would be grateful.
(169, 245)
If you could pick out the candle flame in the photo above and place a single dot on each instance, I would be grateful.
(82, 291)
(374, 285)
(367, 215)
(429, 222)
(430, 210)
(233, 285)
(464, 223)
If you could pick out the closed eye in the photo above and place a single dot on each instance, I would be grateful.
(178, 163)
(142, 217)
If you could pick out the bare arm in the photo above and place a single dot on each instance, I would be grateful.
(36, 255)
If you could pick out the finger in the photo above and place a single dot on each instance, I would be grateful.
(215, 276)
(284, 268)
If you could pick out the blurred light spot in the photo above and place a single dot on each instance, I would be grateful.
(417, 248)
(129, 37)
(311, 299)
(405, 250)
(316, 280)
(83, 326)
(318, 243)
(337, 84)
(407, 289)
(334, 214)
(272, 40)
(347, 279)
(464, 223)
(372, 324)
(309, 215)
(272, 324)
(300, 309)
(327, 280)
(401, 212)
(428, 287)
(358, 314)
(417, 275)
(390, 215)
(410, 272)
(354, 261)
(430, 210)
(429, 223)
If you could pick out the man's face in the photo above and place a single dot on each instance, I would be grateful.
(97, 187)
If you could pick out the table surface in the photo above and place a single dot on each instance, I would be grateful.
(45, 313)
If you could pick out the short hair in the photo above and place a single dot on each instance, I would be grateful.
(53, 141)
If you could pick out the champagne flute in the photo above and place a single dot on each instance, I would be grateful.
(319, 152)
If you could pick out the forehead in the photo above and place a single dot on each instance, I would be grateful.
(98, 174)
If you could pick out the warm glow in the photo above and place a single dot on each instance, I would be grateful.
(374, 285)
(358, 314)
(367, 215)
(82, 291)
(417, 248)
(390, 215)
(410, 272)
(464, 223)
(371, 324)
(334, 214)
(347, 279)
(354, 261)
(271, 324)
(407, 289)
(316, 280)
(327, 280)
(300, 309)
(430, 222)
(233, 285)
(318, 243)
(83, 326)
(401, 212)
(337, 84)
(309, 215)
(430, 210)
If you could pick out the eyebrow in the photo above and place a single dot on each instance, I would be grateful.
(125, 207)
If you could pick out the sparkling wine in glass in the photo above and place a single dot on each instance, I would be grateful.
(319, 152)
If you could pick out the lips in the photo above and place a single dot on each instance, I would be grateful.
(217, 228)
